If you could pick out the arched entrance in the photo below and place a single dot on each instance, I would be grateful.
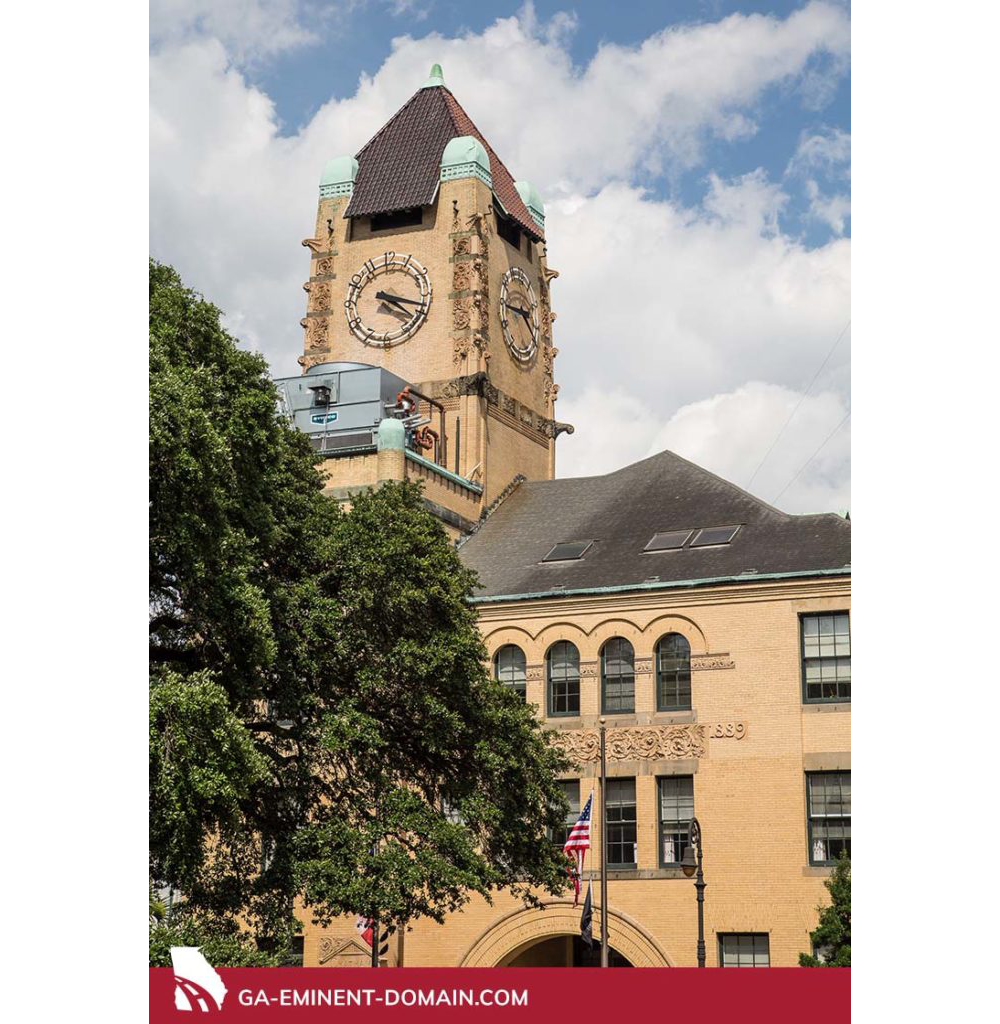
(522, 933)
(562, 951)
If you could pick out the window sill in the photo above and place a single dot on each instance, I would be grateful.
(833, 707)
(817, 871)
(625, 873)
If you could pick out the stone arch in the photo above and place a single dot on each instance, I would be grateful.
(678, 624)
(507, 634)
(507, 936)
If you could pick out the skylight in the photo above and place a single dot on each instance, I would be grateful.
(714, 535)
(668, 541)
(568, 550)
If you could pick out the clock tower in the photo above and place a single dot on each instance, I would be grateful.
(428, 332)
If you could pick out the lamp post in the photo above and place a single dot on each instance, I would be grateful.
(692, 866)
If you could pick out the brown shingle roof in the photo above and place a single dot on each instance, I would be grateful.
(399, 168)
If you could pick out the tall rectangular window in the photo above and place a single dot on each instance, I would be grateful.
(829, 799)
(745, 949)
(826, 657)
(676, 812)
(621, 823)
(571, 790)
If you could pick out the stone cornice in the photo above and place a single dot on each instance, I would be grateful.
(686, 595)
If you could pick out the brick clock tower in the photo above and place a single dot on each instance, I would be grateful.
(428, 332)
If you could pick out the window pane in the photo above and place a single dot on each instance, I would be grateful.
(826, 657)
(673, 673)
(745, 950)
(829, 808)
(676, 812)
(563, 660)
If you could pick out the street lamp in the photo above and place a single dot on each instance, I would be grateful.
(692, 866)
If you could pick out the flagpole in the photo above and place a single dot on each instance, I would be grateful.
(604, 852)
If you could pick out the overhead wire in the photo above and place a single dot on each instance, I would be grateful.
(811, 457)
(802, 398)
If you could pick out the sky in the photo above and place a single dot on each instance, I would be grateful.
(694, 159)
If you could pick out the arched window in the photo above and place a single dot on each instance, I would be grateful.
(563, 667)
(617, 677)
(673, 673)
(509, 668)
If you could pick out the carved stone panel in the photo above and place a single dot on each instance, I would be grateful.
(705, 662)
(664, 742)
(319, 296)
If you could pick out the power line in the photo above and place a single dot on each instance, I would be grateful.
(797, 404)
(811, 457)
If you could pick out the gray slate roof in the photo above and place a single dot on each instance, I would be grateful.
(621, 511)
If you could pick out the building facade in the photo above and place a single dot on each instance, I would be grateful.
(710, 631)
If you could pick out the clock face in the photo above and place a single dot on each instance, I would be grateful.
(519, 314)
(388, 300)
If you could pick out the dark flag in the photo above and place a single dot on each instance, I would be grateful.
(586, 920)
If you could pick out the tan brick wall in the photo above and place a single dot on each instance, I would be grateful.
(462, 334)
(749, 793)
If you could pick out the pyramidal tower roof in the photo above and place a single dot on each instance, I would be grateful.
(400, 167)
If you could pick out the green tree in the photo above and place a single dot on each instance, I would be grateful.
(833, 934)
(318, 689)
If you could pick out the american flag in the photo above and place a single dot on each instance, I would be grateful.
(578, 843)
(364, 928)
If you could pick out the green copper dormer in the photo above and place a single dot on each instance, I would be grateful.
(436, 78)
(532, 200)
(466, 157)
(338, 177)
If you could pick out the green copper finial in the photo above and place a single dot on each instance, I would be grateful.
(437, 78)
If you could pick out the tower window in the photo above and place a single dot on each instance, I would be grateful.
(397, 219)
(506, 228)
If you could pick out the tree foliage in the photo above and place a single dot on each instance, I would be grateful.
(833, 934)
(318, 689)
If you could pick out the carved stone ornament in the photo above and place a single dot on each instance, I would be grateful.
(643, 666)
(319, 296)
(462, 277)
(316, 333)
(534, 672)
(659, 743)
(551, 390)
(317, 245)
(704, 662)
(324, 266)
(461, 315)
(463, 346)
(588, 668)
(461, 246)
(553, 428)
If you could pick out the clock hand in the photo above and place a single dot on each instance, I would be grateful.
(386, 297)
(400, 314)
(523, 312)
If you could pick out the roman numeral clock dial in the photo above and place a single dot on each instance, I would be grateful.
(388, 300)
(519, 314)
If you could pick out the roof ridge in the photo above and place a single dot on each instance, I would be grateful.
(721, 479)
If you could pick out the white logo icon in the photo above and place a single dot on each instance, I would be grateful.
(196, 982)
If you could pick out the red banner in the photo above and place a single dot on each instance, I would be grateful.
(768, 996)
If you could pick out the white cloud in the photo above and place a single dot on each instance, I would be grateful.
(825, 156)
(729, 434)
(247, 28)
(658, 304)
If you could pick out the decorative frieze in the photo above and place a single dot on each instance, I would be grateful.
(479, 384)
(706, 662)
(324, 266)
(661, 743)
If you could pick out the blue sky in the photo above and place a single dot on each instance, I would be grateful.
(695, 162)
(300, 82)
